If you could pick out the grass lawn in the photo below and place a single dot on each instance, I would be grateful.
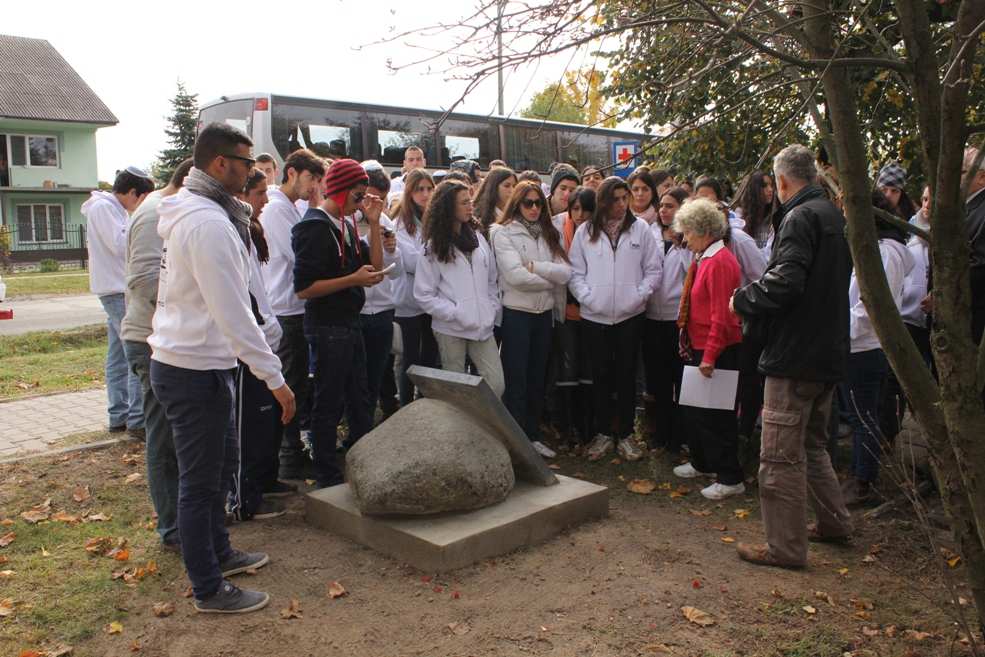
(54, 283)
(52, 361)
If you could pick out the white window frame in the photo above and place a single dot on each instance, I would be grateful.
(47, 219)
(27, 151)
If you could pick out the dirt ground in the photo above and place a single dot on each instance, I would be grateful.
(613, 587)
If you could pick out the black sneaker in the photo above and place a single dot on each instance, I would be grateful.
(230, 599)
(239, 562)
(117, 429)
(280, 489)
(138, 433)
(269, 509)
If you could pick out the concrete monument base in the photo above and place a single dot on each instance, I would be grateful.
(443, 542)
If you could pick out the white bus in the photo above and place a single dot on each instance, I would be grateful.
(280, 125)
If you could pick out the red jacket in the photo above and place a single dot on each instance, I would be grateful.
(711, 326)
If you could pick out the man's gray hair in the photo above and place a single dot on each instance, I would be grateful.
(796, 162)
(701, 217)
(970, 155)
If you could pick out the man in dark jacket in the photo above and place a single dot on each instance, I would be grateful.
(800, 309)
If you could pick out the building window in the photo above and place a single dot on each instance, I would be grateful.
(33, 150)
(40, 223)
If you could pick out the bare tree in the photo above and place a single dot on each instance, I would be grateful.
(811, 65)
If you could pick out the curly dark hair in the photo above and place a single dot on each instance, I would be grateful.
(488, 195)
(604, 200)
(439, 219)
(547, 227)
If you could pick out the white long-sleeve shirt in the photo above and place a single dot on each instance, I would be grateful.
(106, 241)
(897, 263)
(380, 297)
(278, 217)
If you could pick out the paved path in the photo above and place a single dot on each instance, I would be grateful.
(32, 425)
(52, 313)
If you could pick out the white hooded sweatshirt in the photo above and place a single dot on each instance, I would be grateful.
(106, 239)
(613, 285)
(898, 263)
(204, 320)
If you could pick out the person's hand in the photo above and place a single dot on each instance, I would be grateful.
(706, 368)
(372, 206)
(731, 303)
(285, 397)
(390, 243)
(366, 276)
(927, 304)
(530, 266)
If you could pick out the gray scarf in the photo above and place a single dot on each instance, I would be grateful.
(533, 227)
(202, 184)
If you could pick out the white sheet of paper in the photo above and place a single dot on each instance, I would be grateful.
(702, 392)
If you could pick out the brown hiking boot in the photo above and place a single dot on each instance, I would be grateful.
(759, 554)
(814, 536)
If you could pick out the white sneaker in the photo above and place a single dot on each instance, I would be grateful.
(719, 491)
(599, 447)
(544, 450)
(629, 450)
(687, 471)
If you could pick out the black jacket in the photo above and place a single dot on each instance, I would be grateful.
(799, 308)
(316, 240)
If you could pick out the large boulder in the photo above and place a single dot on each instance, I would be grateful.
(429, 457)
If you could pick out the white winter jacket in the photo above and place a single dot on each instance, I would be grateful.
(613, 285)
(898, 263)
(411, 251)
(204, 320)
(533, 292)
(461, 296)
(915, 286)
(665, 302)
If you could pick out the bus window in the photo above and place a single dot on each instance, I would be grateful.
(581, 149)
(531, 148)
(326, 131)
(237, 113)
(467, 140)
(391, 134)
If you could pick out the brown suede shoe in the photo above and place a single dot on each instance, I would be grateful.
(815, 537)
(760, 555)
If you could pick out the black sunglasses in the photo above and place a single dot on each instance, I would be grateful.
(248, 160)
(358, 197)
(531, 203)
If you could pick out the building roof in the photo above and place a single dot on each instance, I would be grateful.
(37, 83)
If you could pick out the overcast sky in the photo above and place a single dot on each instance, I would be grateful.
(132, 55)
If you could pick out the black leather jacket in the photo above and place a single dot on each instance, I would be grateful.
(799, 308)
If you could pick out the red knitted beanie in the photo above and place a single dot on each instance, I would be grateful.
(342, 176)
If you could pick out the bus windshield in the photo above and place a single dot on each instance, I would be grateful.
(237, 113)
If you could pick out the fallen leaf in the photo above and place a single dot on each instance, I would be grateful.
(98, 545)
(697, 616)
(98, 517)
(722, 528)
(293, 610)
(336, 590)
(776, 593)
(131, 458)
(310, 482)
(809, 610)
(30, 653)
(38, 512)
(728, 539)
(61, 516)
(621, 478)
(135, 646)
(657, 647)
(741, 514)
(615, 462)
(6, 607)
(821, 595)
(680, 491)
(44, 552)
(426, 579)
(890, 631)
(554, 466)
(862, 604)
(187, 593)
(953, 561)
(60, 651)
(868, 559)
(82, 494)
(641, 486)
(3, 559)
(437, 589)
(114, 628)
(695, 583)
(119, 554)
(863, 615)
(842, 571)
(455, 595)
(7, 573)
(700, 514)
(459, 629)
(6, 522)
(665, 486)
(915, 636)
(130, 478)
(868, 631)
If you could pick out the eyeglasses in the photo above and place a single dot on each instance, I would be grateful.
(248, 160)
(529, 203)
(358, 197)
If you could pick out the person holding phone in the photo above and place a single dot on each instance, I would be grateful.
(332, 266)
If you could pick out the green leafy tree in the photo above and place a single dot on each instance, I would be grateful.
(181, 133)
(576, 99)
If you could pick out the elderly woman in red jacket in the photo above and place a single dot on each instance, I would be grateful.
(710, 337)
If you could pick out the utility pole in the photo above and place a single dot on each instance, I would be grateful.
(500, 4)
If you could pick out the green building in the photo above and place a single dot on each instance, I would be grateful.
(48, 122)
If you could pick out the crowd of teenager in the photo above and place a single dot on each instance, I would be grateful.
(263, 319)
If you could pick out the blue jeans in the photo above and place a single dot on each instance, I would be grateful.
(162, 463)
(866, 374)
(199, 406)
(525, 349)
(378, 339)
(340, 384)
(122, 385)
